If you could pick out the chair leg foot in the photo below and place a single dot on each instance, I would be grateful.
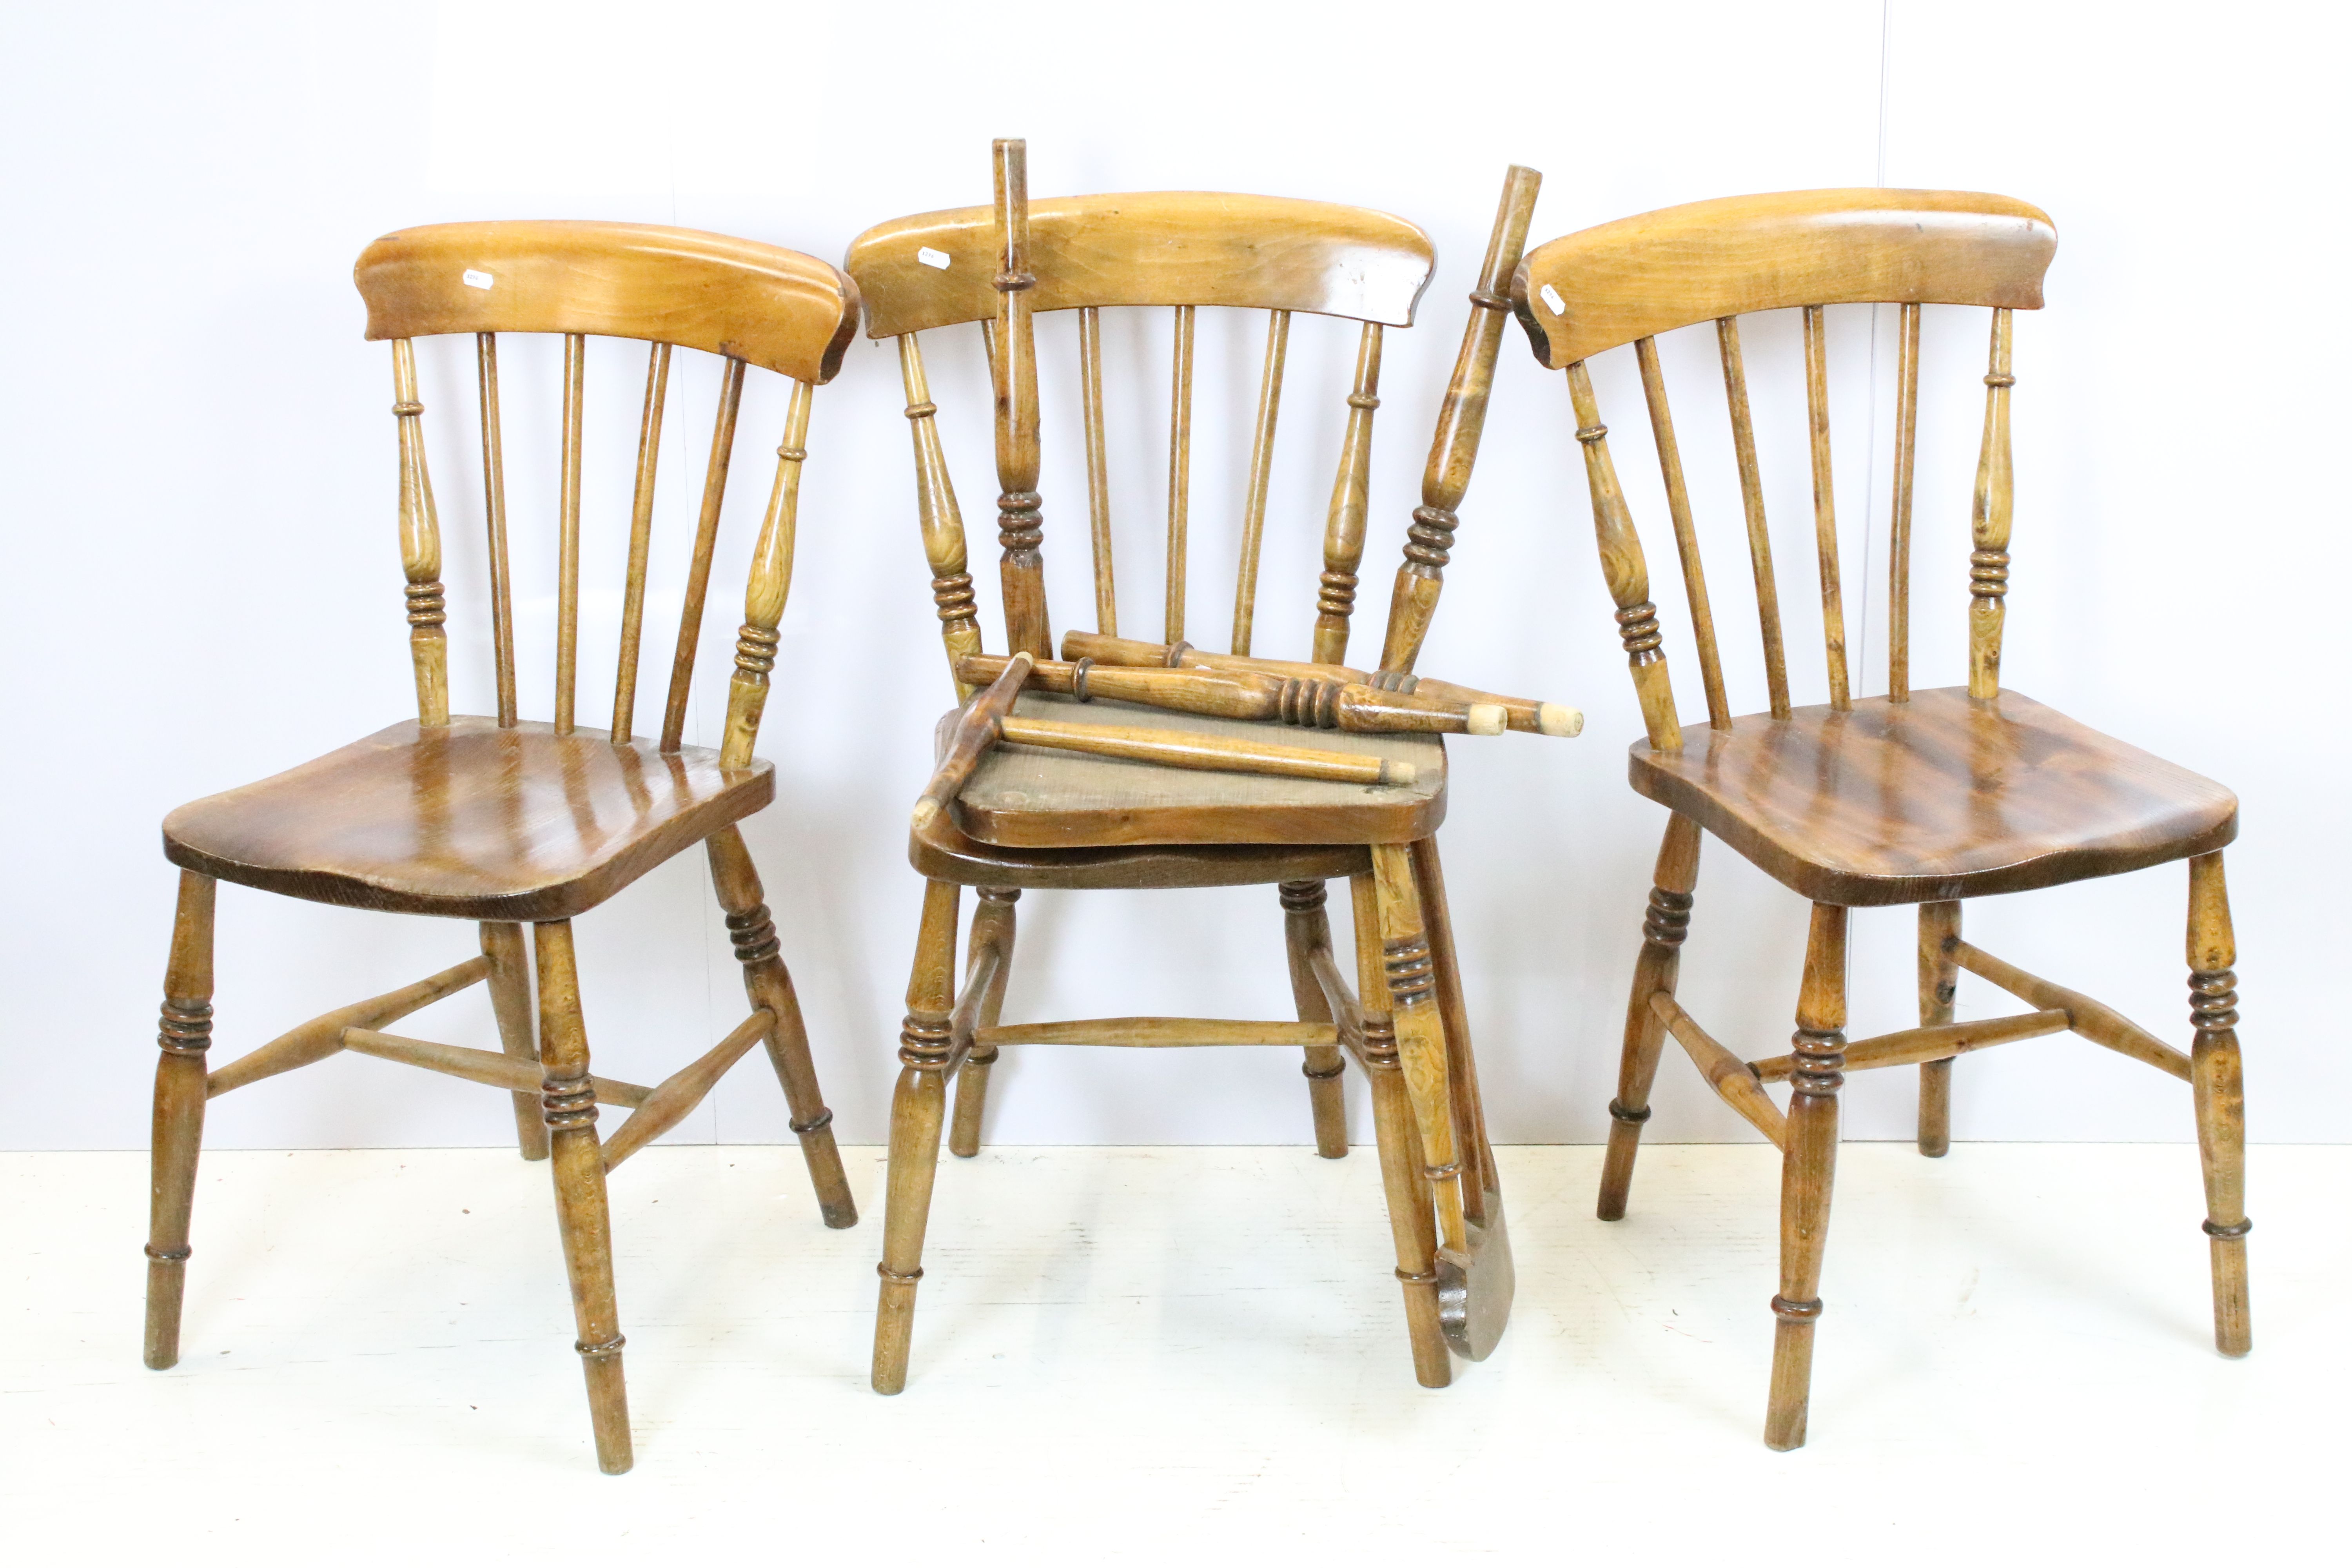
(1808, 1167)
(918, 1109)
(184, 1039)
(1663, 930)
(1412, 1219)
(2217, 1082)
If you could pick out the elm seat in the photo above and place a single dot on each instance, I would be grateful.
(473, 822)
(1939, 797)
(1028, 797)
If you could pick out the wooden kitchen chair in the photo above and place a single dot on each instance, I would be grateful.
(504, 821)
(1926, 797)
(1031, 818)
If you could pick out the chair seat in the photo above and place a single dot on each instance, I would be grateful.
(1029, 797)
(471, 821)
(1939, 797)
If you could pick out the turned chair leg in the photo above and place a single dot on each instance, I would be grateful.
(770, 985)
(917, 1107)
(2221, 1096)
(1305, 928)
(1939, 982)
(1411, 1215)
(568, 1103)
(1807, 1164)
(992, 925)
(1479, 1173)
(502, 944)
(1658, 968)
(184, 1038)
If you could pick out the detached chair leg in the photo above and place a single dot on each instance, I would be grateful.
(1939, 981)
(184, 1038)
(1808, 1165)
(1411, 1214)
(568, 1100)
(2219, 1089)
(992, 924)
(1305, 928)
(1658, 968)
(502, 944)
(917, 1107)
(770, 985)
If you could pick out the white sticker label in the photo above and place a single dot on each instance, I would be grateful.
(477, 280)
(930, 257)
(1551, 298)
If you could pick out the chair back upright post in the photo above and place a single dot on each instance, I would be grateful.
(999, 265)
(749, 304)
(1606, 286)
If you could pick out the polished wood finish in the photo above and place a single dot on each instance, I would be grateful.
(504, 821)
(1937, 798)
(1926, 797)
(1119, 772)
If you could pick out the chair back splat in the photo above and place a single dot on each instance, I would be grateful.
(1626, 282)
(749, 304)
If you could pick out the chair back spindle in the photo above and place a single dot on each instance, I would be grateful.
(1628, 281)
(1461, 422)
(494, 513)
(1181, 250)
(747, 304)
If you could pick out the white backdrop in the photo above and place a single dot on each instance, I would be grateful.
(207, 587)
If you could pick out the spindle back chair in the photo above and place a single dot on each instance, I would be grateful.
(502, 821)
(1920, 796)
(1030, 818)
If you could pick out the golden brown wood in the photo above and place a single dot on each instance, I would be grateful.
(420, 546)
(1174, 748)
(1809, 1162)
(1014, 363)
(503, 944)
(1411, 1219)
(1898, 529)
(568, 1101)
(1180, 476)
(1269, 408)
(2094, 1021)
(977, 729)
(917, 1109)
(1090, 399)
(1825, 540)
(1524, 714)
(1642, 276)
(1929, 1043)
(2219, 1088)
(493, 1068)
(1939, 797)
(1670, 463)
(1352, 495)
(494, 506)
(1940, 976)
(942, 524)
(641, 537)
(1989, 522)
(1150, 247)
(1420, 1036)
(468, 821)
(705, 539)
(1663, 930)
(567, 505)
(322, 1036)
(179, 1122)
(1306, 935)
(760, 304)
(1626, 569)
(1738, 1084)
(763, 595)
(1312, 702)
(670, 1101)
(1461, 424)
(988, 969)
(1751, 496)
(1159, 1034)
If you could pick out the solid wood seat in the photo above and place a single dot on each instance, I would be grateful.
(1027, 798)
(1939, 798)
(469, 820)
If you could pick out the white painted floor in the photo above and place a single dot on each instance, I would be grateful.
(1151, 1355)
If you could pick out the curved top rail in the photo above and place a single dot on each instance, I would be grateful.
(759, 303)
(1148, 247)
(1641, 275)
